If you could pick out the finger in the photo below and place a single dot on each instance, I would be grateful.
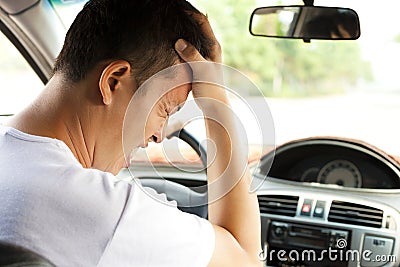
(187, 51)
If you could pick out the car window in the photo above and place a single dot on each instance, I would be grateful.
(19, 83)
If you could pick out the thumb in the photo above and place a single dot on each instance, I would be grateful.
(187, 51)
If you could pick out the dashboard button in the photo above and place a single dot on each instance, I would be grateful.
(379, 247)
(319, 210)
(306, 208)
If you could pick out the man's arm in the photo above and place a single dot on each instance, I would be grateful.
(236, 215)
(233, 210)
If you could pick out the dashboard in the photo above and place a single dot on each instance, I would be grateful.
(316, 195)
(334, 162)
(329, 194)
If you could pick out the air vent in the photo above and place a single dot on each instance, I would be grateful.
(278, 204)
(355, 214)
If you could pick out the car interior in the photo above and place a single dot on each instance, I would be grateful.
(335, 188)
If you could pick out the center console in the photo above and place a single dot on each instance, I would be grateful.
(295, 244)
(318, 229)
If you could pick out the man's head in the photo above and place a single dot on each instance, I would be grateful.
(111, 49)
(141, 32)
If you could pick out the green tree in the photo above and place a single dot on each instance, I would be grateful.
(397, 38)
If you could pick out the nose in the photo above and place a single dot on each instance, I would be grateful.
(158, 137)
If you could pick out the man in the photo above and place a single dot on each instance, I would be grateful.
(59, 156)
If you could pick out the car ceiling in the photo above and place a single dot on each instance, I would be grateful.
(13, 7)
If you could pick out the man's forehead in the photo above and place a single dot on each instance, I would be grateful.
(178, 95)
(170, 86)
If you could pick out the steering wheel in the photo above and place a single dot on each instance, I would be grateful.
(187, 199)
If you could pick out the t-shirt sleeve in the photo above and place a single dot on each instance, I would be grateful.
(153, 232)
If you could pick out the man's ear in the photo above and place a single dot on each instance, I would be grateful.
(111, 77)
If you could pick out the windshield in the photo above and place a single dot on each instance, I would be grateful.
(323, 88)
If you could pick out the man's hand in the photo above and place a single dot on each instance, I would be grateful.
(204, 70)
(232, 209)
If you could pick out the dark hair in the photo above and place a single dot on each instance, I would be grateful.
(142, 32)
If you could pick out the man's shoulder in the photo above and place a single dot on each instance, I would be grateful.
(46, 170)
(18, 147)
(53, 204)
(39, 157)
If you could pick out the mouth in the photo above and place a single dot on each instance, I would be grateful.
(147, 141)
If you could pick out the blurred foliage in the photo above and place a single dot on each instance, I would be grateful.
(397, 38)
(282, 67)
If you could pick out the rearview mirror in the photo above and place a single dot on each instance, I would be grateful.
(305, 22)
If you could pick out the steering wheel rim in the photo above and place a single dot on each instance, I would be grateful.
(193, 143)
(187, 199)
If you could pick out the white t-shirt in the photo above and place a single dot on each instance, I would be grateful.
(74, 216)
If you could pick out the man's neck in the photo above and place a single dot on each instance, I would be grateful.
(56, 114)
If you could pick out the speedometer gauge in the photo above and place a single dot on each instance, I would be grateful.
(310, 175)
(340, 172)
